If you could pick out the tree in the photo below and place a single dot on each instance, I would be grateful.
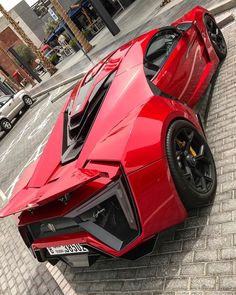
(46, 63)
(50, 26)
(78, 34)
(26, 53)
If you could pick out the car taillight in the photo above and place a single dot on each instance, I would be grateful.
(108, 216)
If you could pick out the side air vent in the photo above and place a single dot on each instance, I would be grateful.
(76, 128)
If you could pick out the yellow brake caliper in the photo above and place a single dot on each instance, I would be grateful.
(192, 151)
(181, 144)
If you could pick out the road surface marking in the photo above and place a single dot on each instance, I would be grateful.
(33, 158)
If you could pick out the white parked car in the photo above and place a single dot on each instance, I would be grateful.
(10, 107)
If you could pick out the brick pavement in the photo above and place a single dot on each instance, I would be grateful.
(195, 258)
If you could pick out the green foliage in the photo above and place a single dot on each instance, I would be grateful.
(50, 25)
(54, 59)
(73, 44)
(86, 33)
(26, 53)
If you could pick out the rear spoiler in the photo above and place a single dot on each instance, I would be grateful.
(29, 197)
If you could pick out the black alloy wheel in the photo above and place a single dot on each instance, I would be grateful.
(6, 125)
(191, 164)
(216, 37)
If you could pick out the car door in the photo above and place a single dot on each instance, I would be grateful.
(4, 108)
(178, 60)
(9, 109)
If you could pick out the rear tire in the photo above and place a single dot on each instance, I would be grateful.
(27, 101)
(216, 37)
(6, 125)
(191, 164)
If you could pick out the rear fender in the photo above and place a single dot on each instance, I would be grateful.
(147, 168)
(152, 125)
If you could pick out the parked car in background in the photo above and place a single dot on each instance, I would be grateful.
(10, 107)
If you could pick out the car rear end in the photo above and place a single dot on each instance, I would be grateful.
(99, 217)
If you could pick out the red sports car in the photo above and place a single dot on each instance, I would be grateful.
(128, 155)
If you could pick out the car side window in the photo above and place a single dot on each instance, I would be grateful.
(4, 99)
(158, 51)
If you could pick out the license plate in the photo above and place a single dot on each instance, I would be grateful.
(67, 249)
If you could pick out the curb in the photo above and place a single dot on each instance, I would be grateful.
(226, 5)
(168, 6)
(224, 21)
(63, 92)
(67, 81)
(37, 101)
(2, 196)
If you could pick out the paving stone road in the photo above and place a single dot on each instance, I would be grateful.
(194, 258)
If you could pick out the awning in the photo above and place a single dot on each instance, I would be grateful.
(59, 29)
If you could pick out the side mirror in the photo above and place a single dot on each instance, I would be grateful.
(183, 27)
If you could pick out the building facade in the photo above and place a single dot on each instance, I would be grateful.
(31, 24)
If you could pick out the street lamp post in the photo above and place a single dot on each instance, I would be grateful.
(101, 10)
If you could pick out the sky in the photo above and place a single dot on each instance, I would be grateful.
(9, 4)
